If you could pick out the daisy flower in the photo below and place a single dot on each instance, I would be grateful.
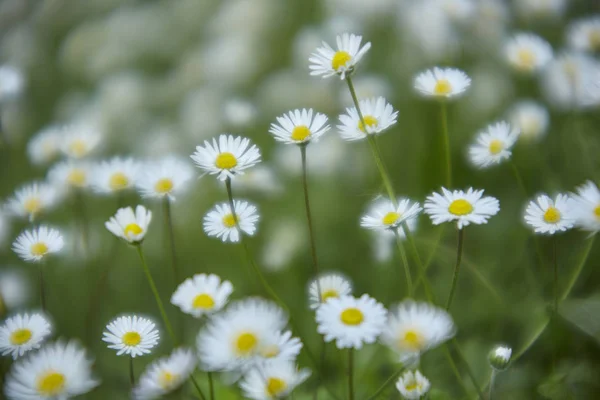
(442, 82)
(15, 288)
(527, 52)
(586, 207)
(128, 225)
(202, 295)
(44, 146)
(22, 333)
(11, 82)
(351, 321)
(412, 385)
(328, 62)
(240, 335)
(220, 222)
(32, 199)
(550, 216)
(57, 371)
(531, 118)
(414, 327)
(165, 179)
(493, 145)
(115, 175)
(332, 286)
(465, 208)
(79, 140)
(499, 357)
(226, 158)
(70, 174)
(383, 215)
(36, 244)
(378, 115)
(165, 375)
(275, 380)
(280, 346)
(584, 34)
(131, 335)
(299, 126)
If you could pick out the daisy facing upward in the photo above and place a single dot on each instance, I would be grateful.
(328, 62)
(493, 145)
(131, 335)
(22, 333)
(378, 115)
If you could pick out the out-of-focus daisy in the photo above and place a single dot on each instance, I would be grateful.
(413, 328)
(236, 337)
(531, 118)
(115, 175)
(15, 289)
(44, 146)
(220, 222)
(384, 241)
(261, 179)
(457, 10)
(239, 112)
(584, 34)
(275, 380)
(378, 115)
(57, 371)
(331, 285)
(527, 52)
(536, 9)
(70, 174)
(285, 241)
(280, 346)
(22, 333)
(79, 139)
(469, 207)
(227, 157)
(166, 178)
(351, 321)
(32, 199)
(165, 375)
(586, 207)
(4, 227)
(493, 145)
(128, 225)
(131, 335)
(328, 62)
(36, 244)
(412, 385)
(499, 357)
(383, 215)
(202, 294)
(550, 216)
(442, 82)
(11, 82)
(299, 126)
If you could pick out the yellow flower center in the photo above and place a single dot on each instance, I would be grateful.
(118, 181)
(270, 351)
(225, 161)
(340, 59)
(594, 38)
(76, 177)
(552, 215)
(370, 122)
(442, 87)
(131, 339)
(496, 146)
(33, 205)
(163, 186)
(246, 343)
(460, 207)
(352, 316)
(300, 133)
(412, 386)
(132, 229)
(275, 386)
(229, 221)
(39, 249)
(78, 148)
(329, 294)
(526, 59)
(51, 383)
(412, 340)
(391, 218)
(203, 301)
(597, 212)
(20, 336)
(167, 379)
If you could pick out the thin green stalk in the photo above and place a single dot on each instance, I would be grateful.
(467, 367)
(459, 251)
(492, 381)
(454, 369)
(42, 286)
(555, 265)
(81, 215)
(131, 373)
(422, 268)
(211, 387)
(385, 384)
(169, 223)
(446, 141)
(313, 247)
(350, 374)
(159, 302)
(518, 178)
(409, 285)
(197, 387)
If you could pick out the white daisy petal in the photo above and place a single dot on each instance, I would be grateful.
(164, 179)
(328, 62)
(383, 215)
(549, 216)
(115, 175)
(70, 174)
(331, 285)
(531, 118)
(378, 116)
(586, 207)
(465, 208)
(130, 226)
(202, 295)
(527, 52)
(584, 34)
(493, 145)
(79, 140)
(299, 126)
(412, 385)
(33, 199)
(275, 380)
(131, 335)
(220, 222)
(442, 82)
(22, 333)
(36, 244)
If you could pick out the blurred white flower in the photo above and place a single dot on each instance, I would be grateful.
(586, 207)
(584, 34)
(299, 127)
(202, 295)
(493, 145)
(442, 82)
(540, 9)
(11, 82)
(44, 147)
(331, 285)
(260, 179)
(131, 335)
(33, 199)
(129, 225)
(549, 216)
(531, 118)
(275, 380)
(527, 53)
(412, 385)
(34, 245)
(458, 10)
(499, 357)
(383, 215)
(79, 139)
(114, 175)
(239, 112)
(70, 174)
(378, 115)
(165, 374)
(285, 239)
(328, 62)
(15, 290)
(164, 178)
(22, 333)
(4, 227)
(383, 241)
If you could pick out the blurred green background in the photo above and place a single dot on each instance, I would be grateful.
(160, 77)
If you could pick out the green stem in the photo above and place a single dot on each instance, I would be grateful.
(350, 374)
(42, 286)
(211, 386)
(79, 210)
(131, 373)
(169, 223)
(459, 251)
(454, 369)
(197, 387)
(492, 381)
(519, 178)
(159, 302)
(385, 384)
(422, 268)
(555, 265)
(467, 367)
(446, 141)
(409, 286)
